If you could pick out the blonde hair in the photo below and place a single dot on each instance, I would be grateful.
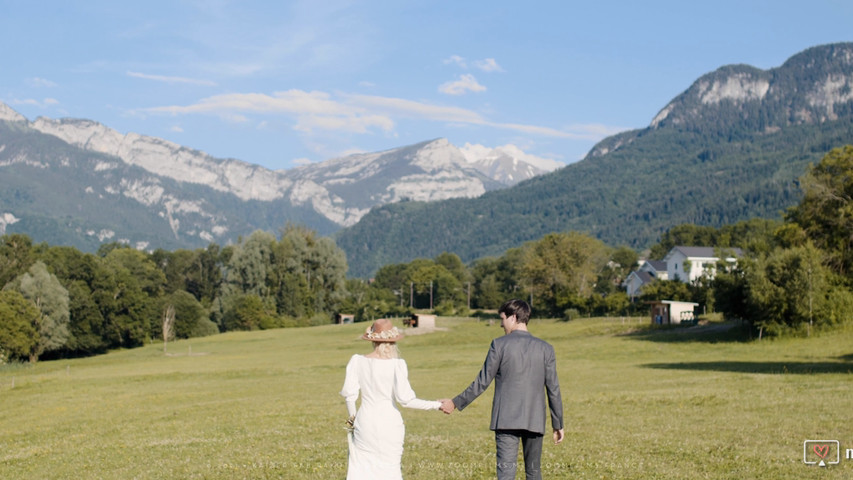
(386, 349)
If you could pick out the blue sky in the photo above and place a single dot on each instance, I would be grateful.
(282, 83)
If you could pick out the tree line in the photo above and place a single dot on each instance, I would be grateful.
(55, 301)
(58, 301)
(796, 274)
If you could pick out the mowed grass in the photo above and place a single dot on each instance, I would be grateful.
(675, 404)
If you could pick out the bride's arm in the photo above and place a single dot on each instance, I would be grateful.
(351, 387)
(404, 394)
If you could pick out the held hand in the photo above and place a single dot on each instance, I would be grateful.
(447, 406)
(558, 436)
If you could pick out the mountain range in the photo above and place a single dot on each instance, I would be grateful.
(729, 148)
(77, 182)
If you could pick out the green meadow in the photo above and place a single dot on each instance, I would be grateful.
(639, 404)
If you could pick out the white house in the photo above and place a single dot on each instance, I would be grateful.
(690, 264)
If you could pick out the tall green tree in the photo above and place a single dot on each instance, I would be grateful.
(489, 289)
(793, 289)
(198, 272)
(89, 331)
(499, 279)
(826, 210)
(453, 264)
(48, 295)
(190, 317)
(307, 274)
(16, 256)
(394, 279)
(247, 269)
(561, 269)
(127, 291)
(19, 336)
(247, 313)
(79, 273)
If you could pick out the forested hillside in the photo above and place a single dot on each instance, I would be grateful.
(730, 148)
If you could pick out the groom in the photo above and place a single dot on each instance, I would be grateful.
(525, 369)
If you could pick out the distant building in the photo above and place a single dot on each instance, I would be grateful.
(655, 268)
(418, 320)
(690, 264)
(649, 271)
(671, 312)
(636, 281)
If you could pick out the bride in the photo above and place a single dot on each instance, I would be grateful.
(377, 430)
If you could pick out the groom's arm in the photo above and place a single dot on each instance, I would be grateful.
(552, 387)
(481, 383)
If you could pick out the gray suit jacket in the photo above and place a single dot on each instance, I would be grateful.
(524, 369)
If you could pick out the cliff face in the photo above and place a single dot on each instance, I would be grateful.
(190, 198)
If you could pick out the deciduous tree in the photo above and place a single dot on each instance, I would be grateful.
(19, 334)
(826, 210)
(48, 295)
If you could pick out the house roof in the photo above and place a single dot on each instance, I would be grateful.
(679, 302)
(702, 252)
(656, 265)
(645, 277)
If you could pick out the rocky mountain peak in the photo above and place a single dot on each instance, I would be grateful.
(811, 87)
(9, 115)
(194, 196)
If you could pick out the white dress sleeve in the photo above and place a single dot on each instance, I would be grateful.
(403, 392)
(351, 387)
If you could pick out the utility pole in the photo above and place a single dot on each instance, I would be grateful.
(411, 294)
(430, 295)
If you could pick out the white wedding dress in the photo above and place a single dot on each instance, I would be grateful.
(376, 443)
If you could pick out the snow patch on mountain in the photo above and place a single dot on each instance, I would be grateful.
(507, 164)
(5, 220)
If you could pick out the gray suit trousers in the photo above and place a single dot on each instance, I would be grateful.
(506, 442)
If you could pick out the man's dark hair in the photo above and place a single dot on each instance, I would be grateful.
(516, 307)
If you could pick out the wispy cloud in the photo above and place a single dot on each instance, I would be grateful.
(41, 82)
(313, 110)
(455, 60)
(466, 83)
(44, 103)
(344, 123)
(577, 133)
(360, 114)
(418, 110)
(167, 79)
(488, 65)
(289, 101)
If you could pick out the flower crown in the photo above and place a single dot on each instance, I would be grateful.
(391, 333)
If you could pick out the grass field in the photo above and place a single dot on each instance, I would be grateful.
(675, 404)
